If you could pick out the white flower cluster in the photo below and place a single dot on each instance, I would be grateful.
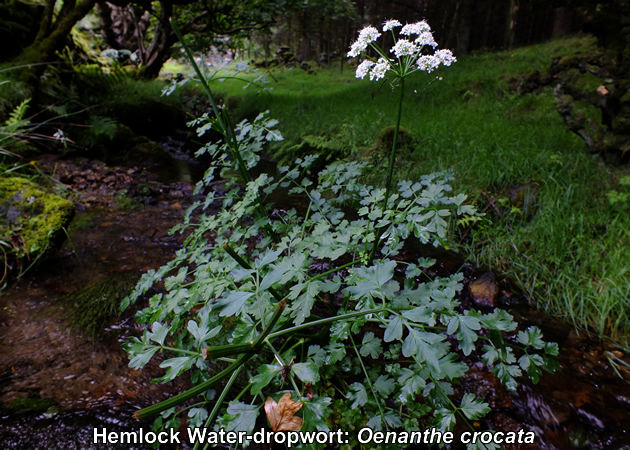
(379, 69)
(366, 35)
(415, 28)
(391, 24)
(401, 48)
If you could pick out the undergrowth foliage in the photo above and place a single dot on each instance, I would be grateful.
(316, 301)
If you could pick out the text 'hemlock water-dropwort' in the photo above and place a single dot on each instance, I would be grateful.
(308, 308)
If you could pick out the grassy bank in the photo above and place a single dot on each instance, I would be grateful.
(557, 234)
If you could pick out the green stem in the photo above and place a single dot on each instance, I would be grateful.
(219, 402)
(390, 172)
(367, 377)
(226, 128)
(336, 269)
(323, 322)
(197, 390)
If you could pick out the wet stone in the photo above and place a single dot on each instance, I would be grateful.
(590, 420)
(484, 291)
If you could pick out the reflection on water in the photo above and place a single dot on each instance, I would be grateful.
(57, 383)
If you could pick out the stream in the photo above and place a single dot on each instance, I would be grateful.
(58, 383)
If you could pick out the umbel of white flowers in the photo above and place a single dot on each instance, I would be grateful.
(408, 51)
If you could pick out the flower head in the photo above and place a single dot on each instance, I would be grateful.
(364, 68)
(356, 48)
(369, 34)
(404, 47)
(379, 69)
(415, 28)
(407, 49)
(366, 35)
(445, 56)
(426, 38)
(428, 63)
(390, 24)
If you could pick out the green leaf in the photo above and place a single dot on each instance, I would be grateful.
(465, 327)
(506, 374)
(531, 364)
(384, 385)
(392, 419)
(307, 372)
(140, 354)
(446, 419)
(498, 320)
(174, 367)
(532, 337)
(203, 333)
(420, 314)
(490, 355)
(197, 417)
(266, 373)
(451, 367)
(301, 307)
(158, 333)
(371, 346)
(233, 303)
(394, 329)
(375, 423)
(315, 412)
(375, 279)
(358, 395)
(411, 384)
(239, 273)
(420, 344)
(273, 276)
(241, 417)
(267, 258)
(425, 263)
(472, 407)
(336, 352)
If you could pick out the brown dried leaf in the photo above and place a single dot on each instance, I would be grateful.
(281, 415)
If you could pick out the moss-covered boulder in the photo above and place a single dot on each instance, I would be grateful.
(379, 155)
(32, 221)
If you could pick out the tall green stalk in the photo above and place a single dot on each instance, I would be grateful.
(226, 127)
(392, 160)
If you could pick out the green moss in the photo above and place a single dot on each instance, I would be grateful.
(32, 404)
(31, 219)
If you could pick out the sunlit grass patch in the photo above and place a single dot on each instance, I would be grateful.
(569, 252)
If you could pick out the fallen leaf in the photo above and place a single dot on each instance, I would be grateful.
(281, 415)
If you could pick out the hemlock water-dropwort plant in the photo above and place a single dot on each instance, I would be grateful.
(313, 307)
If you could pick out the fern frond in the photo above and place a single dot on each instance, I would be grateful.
(16, 119)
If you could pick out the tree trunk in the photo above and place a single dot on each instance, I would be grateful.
(163, 40)
(52, 36)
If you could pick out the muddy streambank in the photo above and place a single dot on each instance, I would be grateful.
(57, 383)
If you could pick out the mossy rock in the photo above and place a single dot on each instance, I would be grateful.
(379, 155)
(31, 221)
(32, 404)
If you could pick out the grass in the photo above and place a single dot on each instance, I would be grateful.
(566, 245)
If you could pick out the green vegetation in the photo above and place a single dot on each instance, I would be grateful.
(317, 307)
(32, 221)
(566, 245)
(94, 306)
